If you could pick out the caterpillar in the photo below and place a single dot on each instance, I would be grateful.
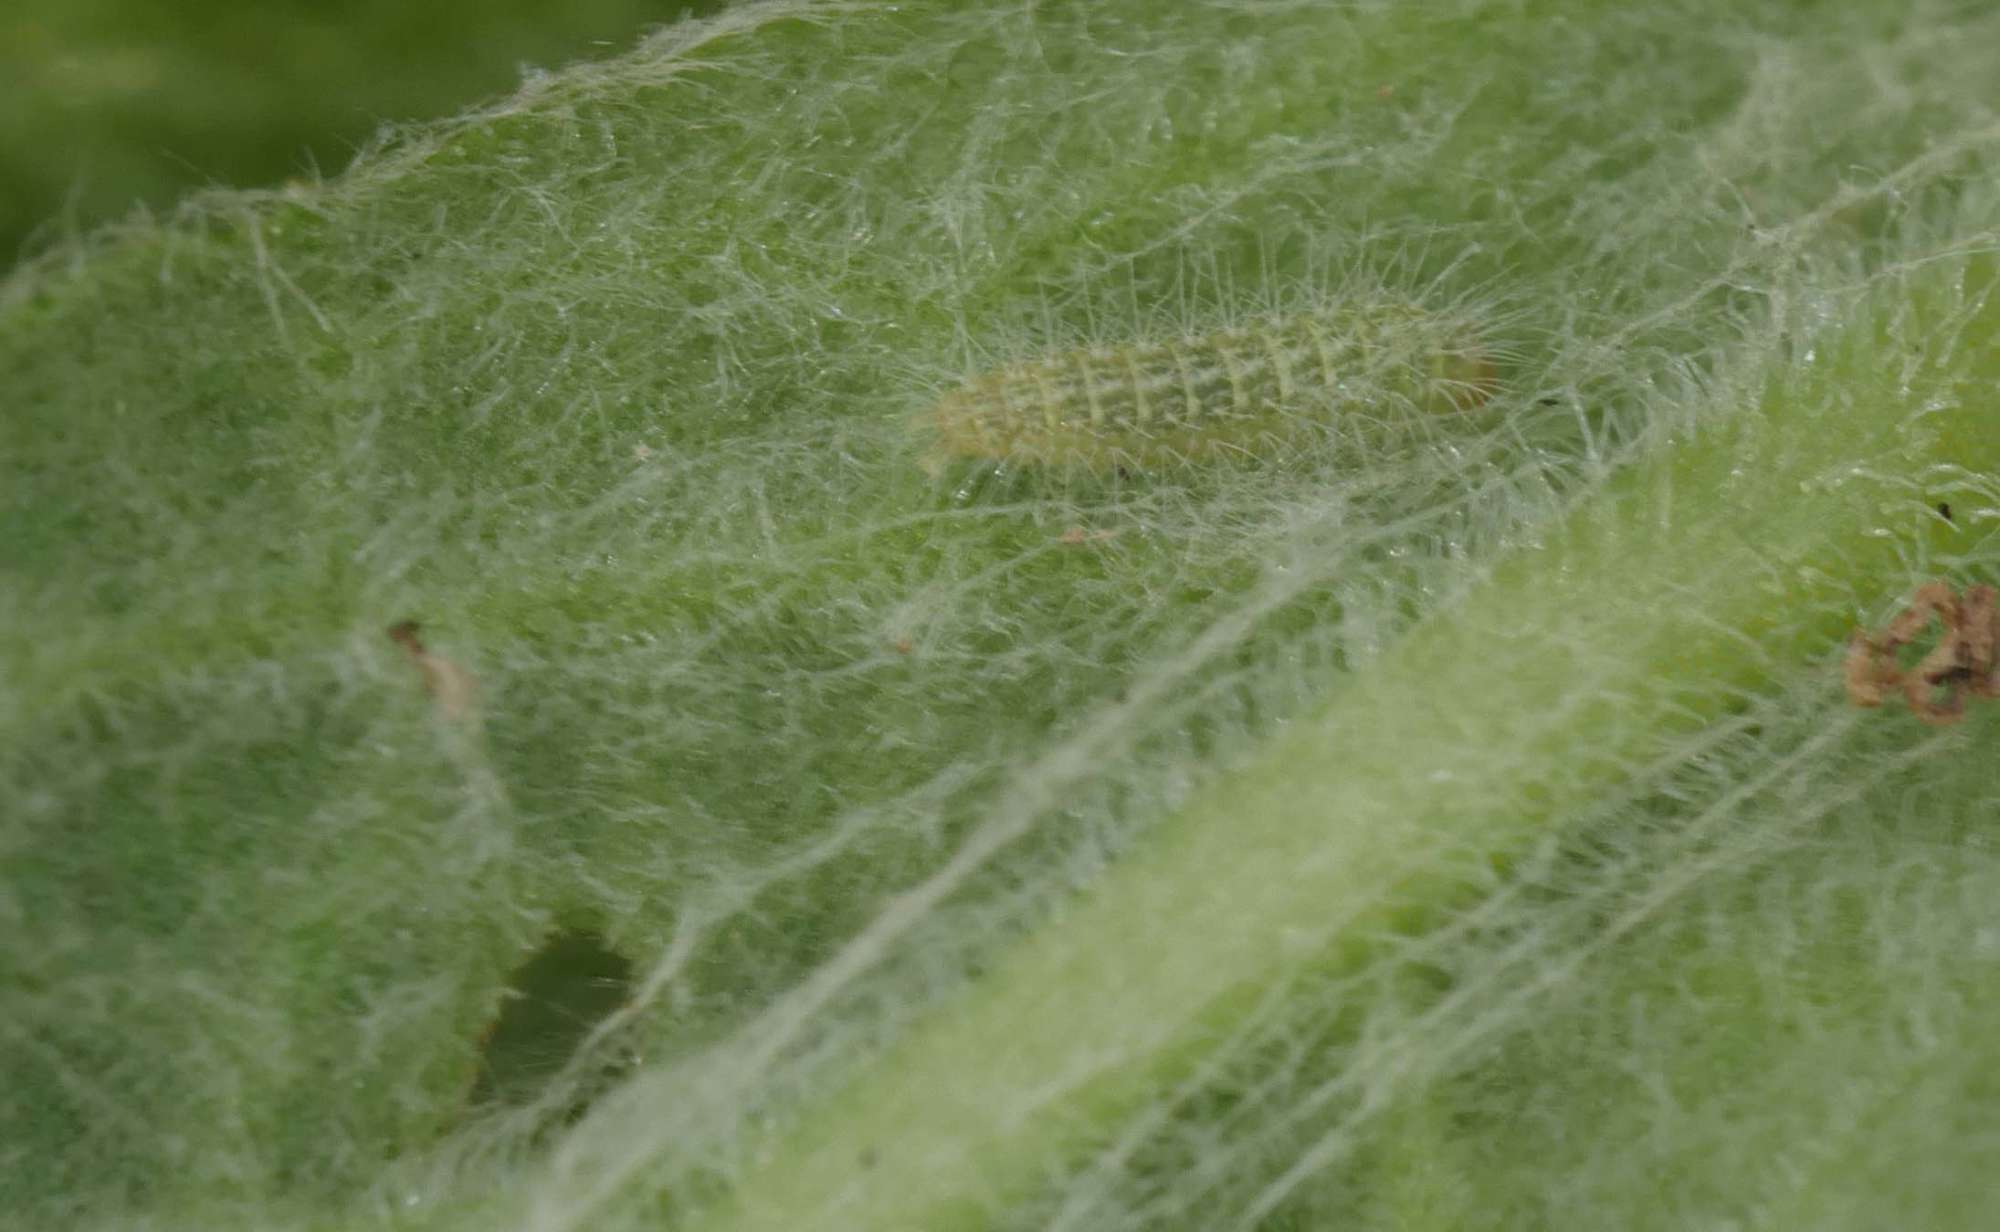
(1245, 389)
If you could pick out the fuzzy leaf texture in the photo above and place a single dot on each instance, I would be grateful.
(1348, 805)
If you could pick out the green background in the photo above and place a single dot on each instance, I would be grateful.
(107, 104)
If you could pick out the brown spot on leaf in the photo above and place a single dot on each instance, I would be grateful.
(404, 634)
(454, 689)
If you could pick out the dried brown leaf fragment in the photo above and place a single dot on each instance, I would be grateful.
(1961, 664)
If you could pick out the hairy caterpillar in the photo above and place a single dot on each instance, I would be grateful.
(1243, 389)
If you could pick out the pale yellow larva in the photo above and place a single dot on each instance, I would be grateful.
(1238, 390)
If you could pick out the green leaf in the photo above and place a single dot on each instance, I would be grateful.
(1453, 821)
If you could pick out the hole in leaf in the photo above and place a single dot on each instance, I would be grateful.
(568, 986)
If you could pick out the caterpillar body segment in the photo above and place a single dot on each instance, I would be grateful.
(1251, 389)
